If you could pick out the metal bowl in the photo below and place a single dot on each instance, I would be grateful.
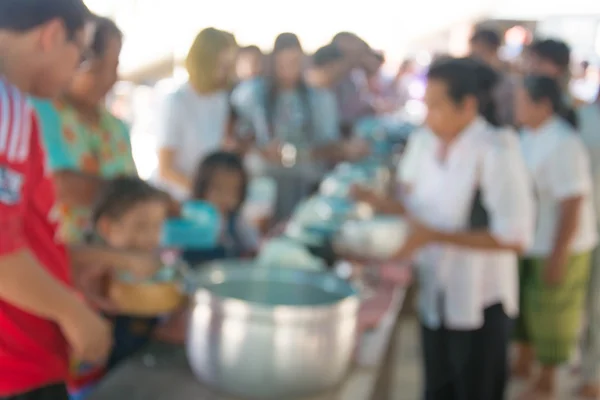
(271, 333)
(378, 238)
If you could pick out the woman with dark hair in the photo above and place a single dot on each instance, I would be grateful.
(221, 179)
(554, 273)
(295, 126)
(468, 200)
(92, 145)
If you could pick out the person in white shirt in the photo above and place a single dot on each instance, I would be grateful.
(470, 206)
(193, 119)
(554, 273)
(589, 127)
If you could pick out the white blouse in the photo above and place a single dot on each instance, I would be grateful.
(441, 194)
(192, 125)
(560, 168)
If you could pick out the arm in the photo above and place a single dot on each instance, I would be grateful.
(45, 296)
(168, 171)
(24, 283)
(407, 173)
(142, 264)
(170, 139)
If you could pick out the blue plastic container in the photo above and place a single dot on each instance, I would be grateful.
(186, 234)
(202, 214)
(198, 229)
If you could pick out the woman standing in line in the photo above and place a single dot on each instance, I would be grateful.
(471, 210)
(89, 144)
(296, 126)
(555, 272)
(193, 119)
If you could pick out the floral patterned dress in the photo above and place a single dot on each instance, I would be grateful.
(102, 150)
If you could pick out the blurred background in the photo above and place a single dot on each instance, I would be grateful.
(158, 34)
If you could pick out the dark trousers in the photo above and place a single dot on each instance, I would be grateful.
(54, 392)
(468, 365)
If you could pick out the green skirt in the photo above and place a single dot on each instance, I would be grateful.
(550, 316)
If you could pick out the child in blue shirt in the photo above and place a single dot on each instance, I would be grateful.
(221, 180)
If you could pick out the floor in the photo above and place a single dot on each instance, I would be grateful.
(408, 376)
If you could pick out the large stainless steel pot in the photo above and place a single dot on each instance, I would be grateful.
(270, 333)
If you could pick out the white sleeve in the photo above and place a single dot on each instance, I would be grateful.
(507, 191)
(408, 167)
(569, 171)
(169, 123)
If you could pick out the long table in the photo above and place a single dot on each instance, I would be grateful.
(161, 372)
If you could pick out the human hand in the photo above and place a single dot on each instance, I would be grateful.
(366, 195)
(87, 333)
(141, 265)
(355, 149)
(419, 235)
(94, 282)
(240, 144)
(554, 270)
(272, 151)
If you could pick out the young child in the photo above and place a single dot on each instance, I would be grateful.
(221, 180)
(128, 215)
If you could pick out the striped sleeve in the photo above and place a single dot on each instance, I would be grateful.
(16, 124)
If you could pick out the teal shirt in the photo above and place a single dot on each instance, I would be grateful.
(58, 156)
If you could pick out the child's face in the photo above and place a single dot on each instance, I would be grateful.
(137, 229)
(225, 190)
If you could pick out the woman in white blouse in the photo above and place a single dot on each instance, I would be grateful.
(193, 118)
(471, 210)
(555, 271)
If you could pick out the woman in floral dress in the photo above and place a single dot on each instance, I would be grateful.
(88, 144)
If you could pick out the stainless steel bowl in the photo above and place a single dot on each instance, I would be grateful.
(378, 238)
(270, 333)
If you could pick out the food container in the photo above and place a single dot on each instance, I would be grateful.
(162, 294)
(378, 238)
(271, 333)
(184, 234)
(198, 229)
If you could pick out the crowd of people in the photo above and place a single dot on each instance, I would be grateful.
(503, 226)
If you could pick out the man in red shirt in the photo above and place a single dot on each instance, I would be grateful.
(42, 321)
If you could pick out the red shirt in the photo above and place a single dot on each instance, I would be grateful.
(33, 351)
